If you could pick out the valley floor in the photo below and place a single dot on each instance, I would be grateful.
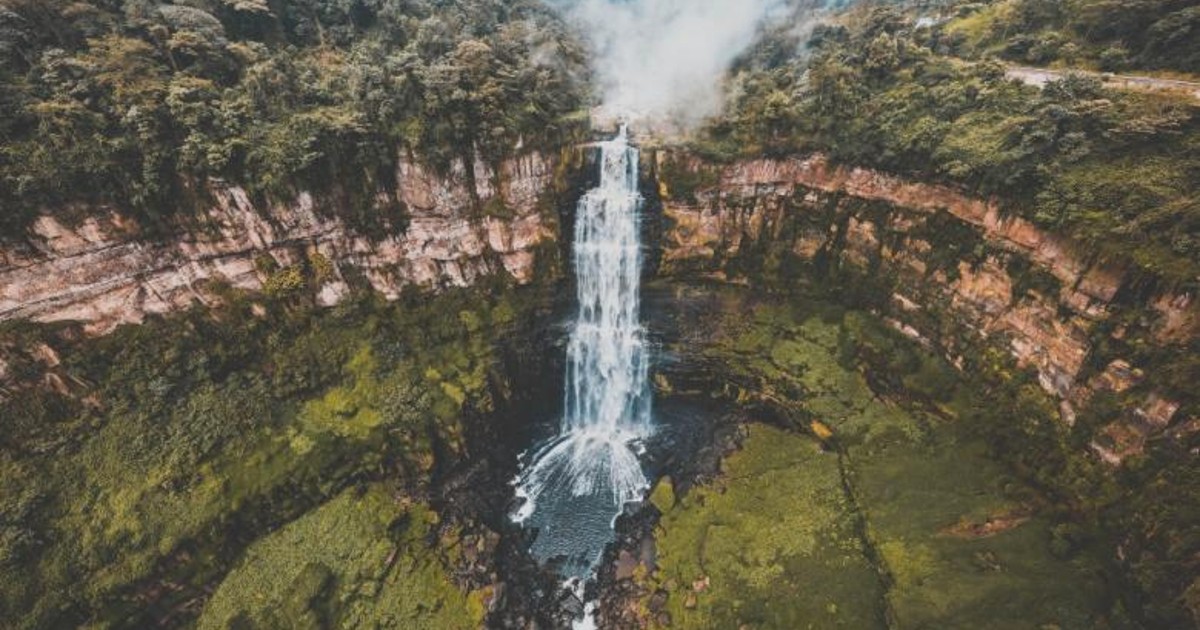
(863, 494)
(865, 511)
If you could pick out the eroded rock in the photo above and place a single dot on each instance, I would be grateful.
(99, 272)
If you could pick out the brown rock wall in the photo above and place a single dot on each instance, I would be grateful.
(101, 273)
(976, 294)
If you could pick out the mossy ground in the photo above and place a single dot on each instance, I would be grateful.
(772, 544)
(212, 428)
(904, 517)
(928, 508)
(362, 560)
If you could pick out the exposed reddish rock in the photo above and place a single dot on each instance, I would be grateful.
(695, 234)
(987, 287)
(1117, 377)
(1126, 436)
(1157, 412)
(1119, 441)
(1049, 332)
(99, 272)
(1179, 317)
(861, 242)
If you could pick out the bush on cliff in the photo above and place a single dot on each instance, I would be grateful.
(137, 104)
(1116, 170)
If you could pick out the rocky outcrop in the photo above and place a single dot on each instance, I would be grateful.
(954, 268)
(101, 273)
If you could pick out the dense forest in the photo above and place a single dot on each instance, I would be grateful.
(1116, 170)
(1111, 35)
(137, 103)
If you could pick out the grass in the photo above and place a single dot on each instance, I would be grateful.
(197, 444)
(773, 544)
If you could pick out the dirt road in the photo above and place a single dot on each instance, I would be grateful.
(1041, 76)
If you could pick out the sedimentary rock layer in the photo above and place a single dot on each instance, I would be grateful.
(100, 272)
(957, 267)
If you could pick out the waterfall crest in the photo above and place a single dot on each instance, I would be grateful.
(594, 459)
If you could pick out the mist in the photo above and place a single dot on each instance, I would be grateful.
(663, 60)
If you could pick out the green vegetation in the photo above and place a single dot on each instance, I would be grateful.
(138, 104)
(178, 438)
(1110, 35)
(1046, 469)
(360, 561)
(911, 513)
(1117, 171)
(771, 544)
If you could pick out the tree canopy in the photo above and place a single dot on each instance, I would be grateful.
(1116, 170)
(137, 103)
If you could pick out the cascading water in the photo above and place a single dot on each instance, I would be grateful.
(576, 484)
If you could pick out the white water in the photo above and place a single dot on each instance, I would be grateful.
(577, 483)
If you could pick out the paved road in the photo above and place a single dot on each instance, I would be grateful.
(1041, 76)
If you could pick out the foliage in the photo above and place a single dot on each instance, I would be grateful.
(901, 415)
(772, 544)
(1113, 35)
(908, 492)
(1115, 170)
(360, 560)
(138, 104)
(202, 430)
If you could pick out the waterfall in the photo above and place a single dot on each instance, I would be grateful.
(606, 391)
(591, 469)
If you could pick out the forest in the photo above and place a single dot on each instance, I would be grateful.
(1116, 170)
(136, 104)
(1110, 35)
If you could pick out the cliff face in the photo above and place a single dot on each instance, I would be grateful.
(100, 273)
(954, 269)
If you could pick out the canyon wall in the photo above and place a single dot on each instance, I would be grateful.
(946, 269)
(100, 273)
(951, 269)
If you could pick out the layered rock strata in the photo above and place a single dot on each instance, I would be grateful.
(101, 273)
(954, 268)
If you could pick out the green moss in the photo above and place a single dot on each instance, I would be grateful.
(361, 560)
(663, 495)
(787, 355)
(495, 207)
(681, 181)
(955, 242)
(350, 410)
(930, 492)
(210, 427)
(917, 500)
(1028, 278)
(771, 544)
(284, 282)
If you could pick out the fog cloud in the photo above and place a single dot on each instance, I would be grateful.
(663, 59)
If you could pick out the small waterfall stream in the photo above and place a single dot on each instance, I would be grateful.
(575, 485)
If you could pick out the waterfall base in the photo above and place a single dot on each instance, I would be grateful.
(573, 489)
(575, 486)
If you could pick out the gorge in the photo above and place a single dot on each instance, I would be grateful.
(527, 369)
